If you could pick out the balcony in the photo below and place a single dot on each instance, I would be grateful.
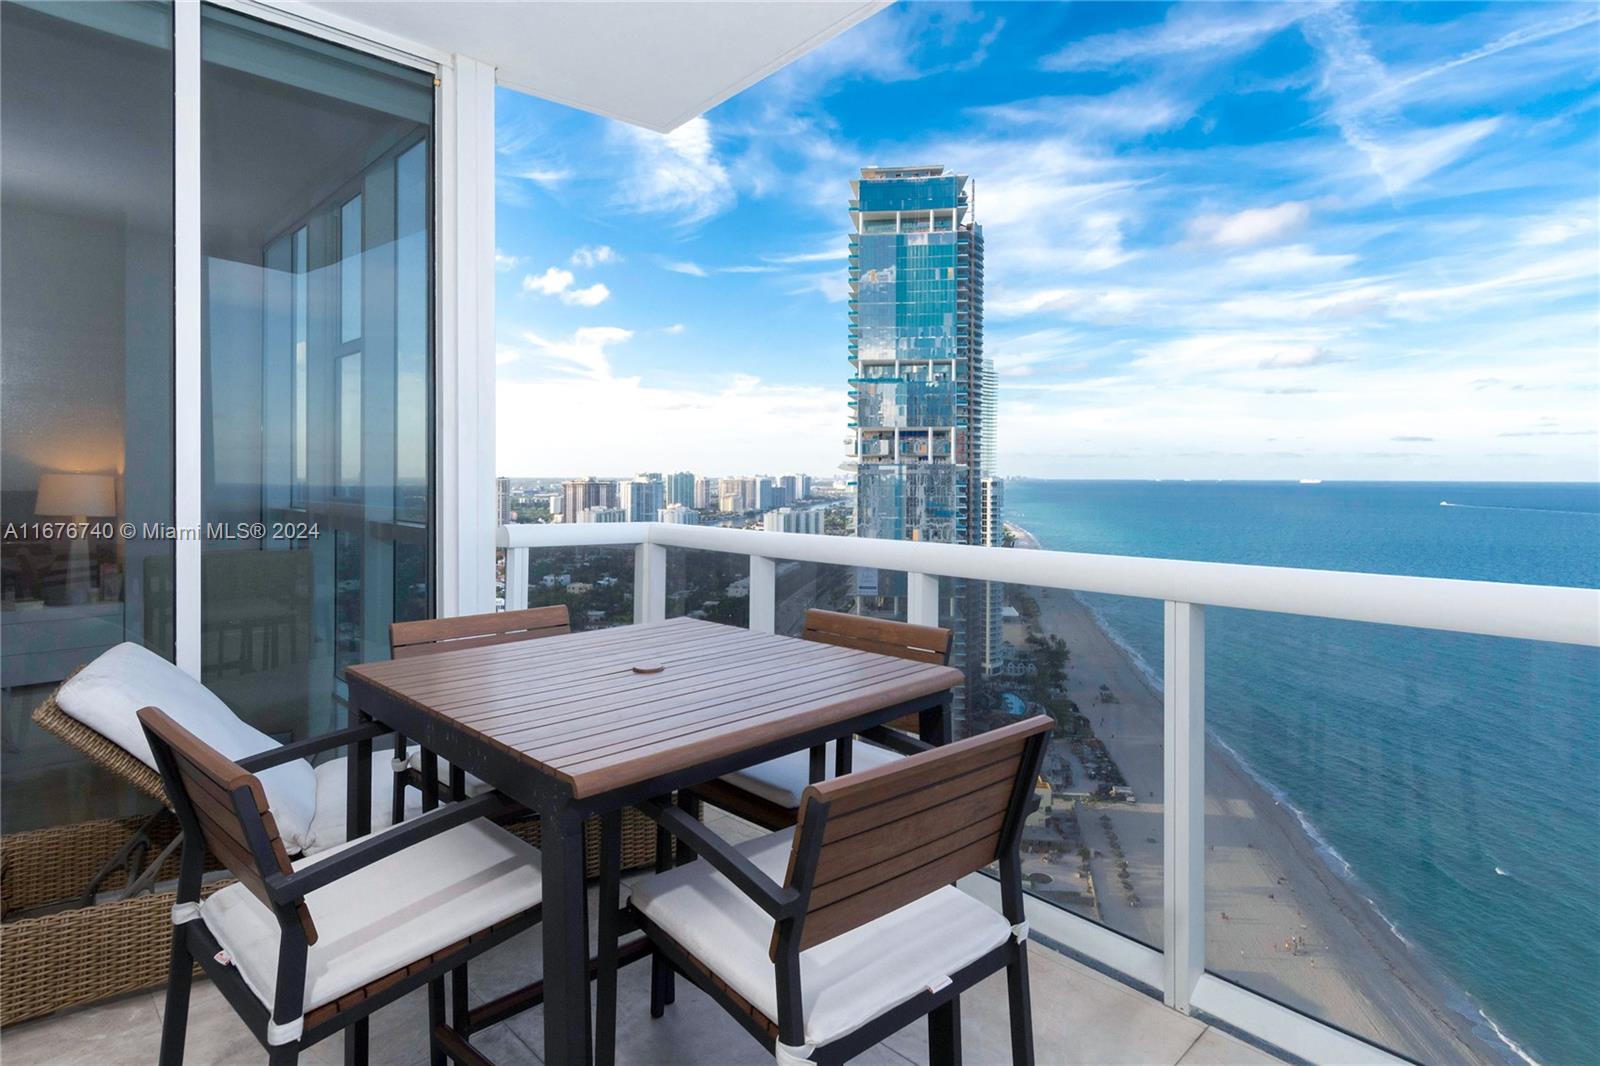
(302, 333)
(1159, 947)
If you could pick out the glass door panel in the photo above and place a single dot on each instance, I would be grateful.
(85, 374)
(316, 181)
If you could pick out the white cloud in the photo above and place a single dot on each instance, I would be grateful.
(592, 296)
(550, 283)
(583, 355)
(1365, 107)
(676, 174)
(1213, 31)
(833, 286)
(1206, 353)
(546, 176)
(800, 424)
(1257, 225)
(685, 266)
(504, 262)
(1088, 304)
(674, 329)
(1286, 260)
(829, 254)
(1133, 110)
(558, 283)
(594, 255)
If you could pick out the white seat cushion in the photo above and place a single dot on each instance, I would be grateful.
(475, 786)
(333, 801)
(784, 779)
(844, 982)
(388, 915)
(107, 695)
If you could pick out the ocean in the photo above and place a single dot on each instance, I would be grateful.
(1455, 780)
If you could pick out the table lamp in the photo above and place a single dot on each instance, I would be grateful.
(76, 497)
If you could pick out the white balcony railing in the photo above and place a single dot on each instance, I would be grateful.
(1523, 612)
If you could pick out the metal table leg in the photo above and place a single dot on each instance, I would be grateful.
(566, 935)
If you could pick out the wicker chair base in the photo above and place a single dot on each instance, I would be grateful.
(75, 957)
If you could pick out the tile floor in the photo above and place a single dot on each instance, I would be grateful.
(1080, 1017)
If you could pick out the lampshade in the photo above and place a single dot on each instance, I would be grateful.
(76, 495)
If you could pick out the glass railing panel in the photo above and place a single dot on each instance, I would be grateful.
(711, 585)
(595, 584)
(1400, 833)
(802, 586)
(1094, 846)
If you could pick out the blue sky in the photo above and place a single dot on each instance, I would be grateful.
(1237, 241)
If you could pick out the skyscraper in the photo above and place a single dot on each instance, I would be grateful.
(680, 488)
(582, 493)
(641, 498)
(922, 394)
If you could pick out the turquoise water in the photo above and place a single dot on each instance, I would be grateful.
(1455, 779)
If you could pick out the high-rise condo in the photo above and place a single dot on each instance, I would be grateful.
(922, 394)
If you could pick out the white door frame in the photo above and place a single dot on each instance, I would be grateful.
(464, 280)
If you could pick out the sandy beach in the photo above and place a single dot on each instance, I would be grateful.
(1278, 920)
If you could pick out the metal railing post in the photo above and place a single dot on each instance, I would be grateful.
(516, 578)
(763, 594)
(649, 583)
(1184, 802)
(922, 599)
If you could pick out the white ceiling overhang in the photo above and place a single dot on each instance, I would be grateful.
(654, 64)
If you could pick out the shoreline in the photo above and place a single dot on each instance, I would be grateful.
(1280, 918)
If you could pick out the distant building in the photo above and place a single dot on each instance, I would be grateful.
(988, 597)
(641, 497)
(502, 495)
(921, 392)
(706, 492)
(602, 514)
(678, 514)
(581, 494)
(680, 488)
(792, 488)
(552, 503)
(790, 520)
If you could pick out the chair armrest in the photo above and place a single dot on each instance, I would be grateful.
(895, 740)
(302, 749)
(288, 888)
(775, 899)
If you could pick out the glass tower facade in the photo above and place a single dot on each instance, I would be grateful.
(922, 395)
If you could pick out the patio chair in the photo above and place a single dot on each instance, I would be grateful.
(304, 950)
(432, 635)
(95, 711)
(824, 939)
(768, 793)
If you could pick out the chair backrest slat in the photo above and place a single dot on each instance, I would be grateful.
(893, 834)
(476, 630)
(221, 795)
(924, 644)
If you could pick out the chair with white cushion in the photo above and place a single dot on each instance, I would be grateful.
(96, 711)
(304, 950)
(768, 793)
(826, 938)
(430, 636)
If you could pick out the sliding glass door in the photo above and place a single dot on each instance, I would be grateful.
(317, 353)
(86, 357)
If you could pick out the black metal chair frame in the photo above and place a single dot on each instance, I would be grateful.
(192, 941)
(788, 904)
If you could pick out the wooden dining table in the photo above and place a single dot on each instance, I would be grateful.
(589, 723)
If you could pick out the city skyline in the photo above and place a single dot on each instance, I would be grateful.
(1346, 242)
